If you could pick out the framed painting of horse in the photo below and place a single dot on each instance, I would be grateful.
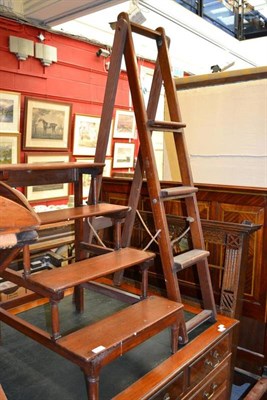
(47, 125)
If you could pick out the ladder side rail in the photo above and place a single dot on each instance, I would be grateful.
(106, 115)
(138, 173)
(185, 170)
(174, 110)
(78, 223)
(180, 142)
(150, 165)
(109, 98)
(136, 186)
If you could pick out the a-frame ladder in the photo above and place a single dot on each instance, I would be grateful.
(146, 124)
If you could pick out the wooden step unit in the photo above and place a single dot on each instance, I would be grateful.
(53, 283)
(92, 210)
(97, 345)
(56, 280)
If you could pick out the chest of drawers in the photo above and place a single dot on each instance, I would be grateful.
(200, 370)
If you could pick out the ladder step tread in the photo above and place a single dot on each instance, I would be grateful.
(172, 126)
(93, 210)
(191, 257)
(179, 191)
(114, 335)
(60, 279)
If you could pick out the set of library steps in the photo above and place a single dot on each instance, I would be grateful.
(96, 345)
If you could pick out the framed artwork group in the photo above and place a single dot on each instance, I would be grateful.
(9, 127)
(85, 136)
(47, 138)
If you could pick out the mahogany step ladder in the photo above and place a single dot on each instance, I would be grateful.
(145, 119)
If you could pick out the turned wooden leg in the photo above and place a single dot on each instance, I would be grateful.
(26, 260)
(174, 337)
(78, 297)
(117, 234)
(92, 386)
(55, 319)
(144, 270)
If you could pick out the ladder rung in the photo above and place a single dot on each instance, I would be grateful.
(191, 257)
(171, 126)
(198, 319)
(180, 191)
(144, 31)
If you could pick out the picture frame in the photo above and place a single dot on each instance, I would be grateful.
(108, 167)
(9, 111)
(47, 125)
(124, 125)
(47, 192)
(123, 155)
(9, 148)
(86, 178)
(86, 128)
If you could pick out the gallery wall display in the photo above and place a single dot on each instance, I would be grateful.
(9, 148)
(9, 111)
(123, 155)
(47, 192)
(47, 125)
(124, 125)
(86, 129)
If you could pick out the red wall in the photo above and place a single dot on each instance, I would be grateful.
(78, 77)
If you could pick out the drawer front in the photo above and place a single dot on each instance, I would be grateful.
(216, 387)
(172, 390)
(209, 361)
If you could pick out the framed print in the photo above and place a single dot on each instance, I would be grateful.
(108, 167)
(9, 111)
(123, 155)
(9, 148)
(46, 192)
(124, 126)
(87, 178)
(47, 125)
(86, 129)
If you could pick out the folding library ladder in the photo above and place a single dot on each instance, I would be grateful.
(146, 124)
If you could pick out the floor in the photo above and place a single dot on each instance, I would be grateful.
(30, 371)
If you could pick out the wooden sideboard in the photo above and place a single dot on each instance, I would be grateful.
(230, 205)
(200, 370)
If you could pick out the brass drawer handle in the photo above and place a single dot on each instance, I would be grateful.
(211, 363)
(217, 358)
(166, 397)
(207, 395)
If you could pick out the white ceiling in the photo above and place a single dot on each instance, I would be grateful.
(196, 45)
